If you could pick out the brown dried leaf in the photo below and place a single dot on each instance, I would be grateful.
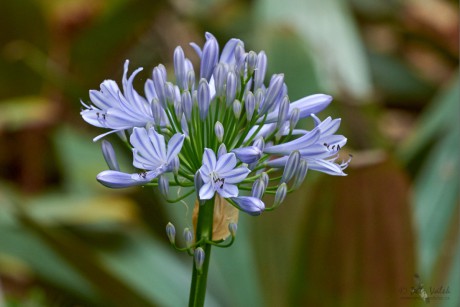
(224, 214)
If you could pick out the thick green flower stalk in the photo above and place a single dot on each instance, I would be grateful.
(224, 135)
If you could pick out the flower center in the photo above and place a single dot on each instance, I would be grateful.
(218, 182)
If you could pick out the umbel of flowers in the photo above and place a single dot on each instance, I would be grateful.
(223, 134)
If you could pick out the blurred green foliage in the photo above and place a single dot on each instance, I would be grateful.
(392, 67)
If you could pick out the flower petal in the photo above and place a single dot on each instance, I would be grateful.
(175, 145)
(207, 191)
(226, 163)
(209, 159)
(235, 175)
(228, 190)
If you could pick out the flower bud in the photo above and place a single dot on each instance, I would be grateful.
(179, 67)
(283, 112)
(231, 87)
(204, 98)
(261, 68)
(237, 108)
(219, 130)
(109, 155)
(252, 61)
(300, 174)
(222, 150)
(191, 79)
(159, 80)
(175, 165)
(186, 100)
(220, 75)
(280, 194)
(258, 188)
(265, 178)
(294, 119)
(250, 205)
(184, 125)
(260, 97)
(291, 166)
(198, 181)
(156, 110)
(274, 89)
(188, 237)
(249, 154)
(232, 228)
(209, 57)
(250, 104)
(259, 143)
(198, 256)
(163, 186)
(171, 233)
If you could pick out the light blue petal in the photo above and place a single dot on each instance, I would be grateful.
(209, 159)
(175, 145)
(226, 163)
(207, 191)
(141, 142)
(235, 175)
(158, 144)
(301, 142)
(228, 190)
(248, 154)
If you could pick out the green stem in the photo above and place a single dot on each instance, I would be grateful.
(203, 233)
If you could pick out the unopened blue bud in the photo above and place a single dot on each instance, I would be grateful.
(219, 130)
(261, 68)
(178, 108)
(231, 87)
(186, 100)
(274, 89)
(280, 194)
(188, 237)
(198, 182)
(249, 154)
(184, 125)
(170, 93)
(258, 188)
(159, 80)
(237, 108)
(265, 178)
(109, 156)
(220, 76)
(163, 186)
(294, 119)
(283, 112)
(191, 79)
(260, 97)
(171, 233)
(250, 104)
(252, 61)
(156, 110)
(179, 68)
(232, 228)
(209, 57)
(175, 165)
(204, 98)
(240, 54)
(199, 256)
(221, 151)
(291, 166)
(300, 174)
(259, 143)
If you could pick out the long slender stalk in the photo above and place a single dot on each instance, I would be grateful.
(203, 232)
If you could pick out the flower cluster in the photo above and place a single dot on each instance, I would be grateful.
(223, 131)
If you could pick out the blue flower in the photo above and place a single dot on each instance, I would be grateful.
(220, 175)
(115, 110)
(150, 155)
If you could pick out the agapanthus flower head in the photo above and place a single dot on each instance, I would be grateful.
(221, 130)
